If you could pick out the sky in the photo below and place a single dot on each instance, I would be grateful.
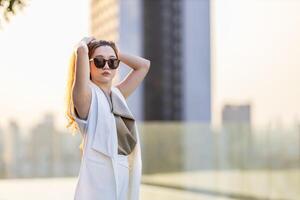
(35, 50)
(255, 56)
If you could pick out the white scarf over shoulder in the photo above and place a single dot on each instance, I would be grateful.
(98, 175)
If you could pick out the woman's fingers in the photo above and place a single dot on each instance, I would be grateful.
(87, 40)
(84, 42)
(90, 39)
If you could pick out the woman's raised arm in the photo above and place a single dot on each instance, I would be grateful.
(134, 78)
(81, 92)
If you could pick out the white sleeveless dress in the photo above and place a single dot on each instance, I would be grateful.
(104, 174)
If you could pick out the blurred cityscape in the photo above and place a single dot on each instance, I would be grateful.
(44, 152)
(48, 152)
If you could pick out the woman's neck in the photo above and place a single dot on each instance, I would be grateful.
(106, 87)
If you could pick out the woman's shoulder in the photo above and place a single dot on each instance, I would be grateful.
(117, 91)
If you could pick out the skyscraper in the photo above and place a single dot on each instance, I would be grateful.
(177, 41)
(163, 45)
(104, 21)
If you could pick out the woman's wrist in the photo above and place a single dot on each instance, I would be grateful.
(82, 45)
(82, 48)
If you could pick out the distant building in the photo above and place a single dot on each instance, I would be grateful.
(236, 114)
(53, 153)
(42, 148)
(237, 147)
(45, 152)
(2, 164)
(13, 150)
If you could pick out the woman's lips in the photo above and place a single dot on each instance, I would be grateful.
(106, 73)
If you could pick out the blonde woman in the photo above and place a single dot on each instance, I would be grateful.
(111, 163)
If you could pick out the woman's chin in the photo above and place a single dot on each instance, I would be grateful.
(105, 79)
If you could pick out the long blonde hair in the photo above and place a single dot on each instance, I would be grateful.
(69, 99)
(69, 106)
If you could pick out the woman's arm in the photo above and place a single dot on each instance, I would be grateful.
(81, 92)
(140, 68)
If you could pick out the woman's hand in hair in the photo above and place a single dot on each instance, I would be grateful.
(83, 44)
(87, 40)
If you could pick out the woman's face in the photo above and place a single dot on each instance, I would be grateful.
(97, 74)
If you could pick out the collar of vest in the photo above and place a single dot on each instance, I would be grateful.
(118, 102)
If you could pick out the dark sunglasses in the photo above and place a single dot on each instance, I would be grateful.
(100, 62)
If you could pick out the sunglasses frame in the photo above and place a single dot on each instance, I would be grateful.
(105, 61)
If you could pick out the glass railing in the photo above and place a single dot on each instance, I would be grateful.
(235, 161)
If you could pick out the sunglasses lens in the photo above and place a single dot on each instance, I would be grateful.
(113, 63)
(99, 62)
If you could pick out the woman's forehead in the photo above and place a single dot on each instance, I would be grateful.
(105, 51)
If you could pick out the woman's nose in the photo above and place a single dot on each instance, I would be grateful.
(106, 66)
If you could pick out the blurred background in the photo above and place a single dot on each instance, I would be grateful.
(218, 113)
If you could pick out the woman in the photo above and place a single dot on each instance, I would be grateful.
(111, 159)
